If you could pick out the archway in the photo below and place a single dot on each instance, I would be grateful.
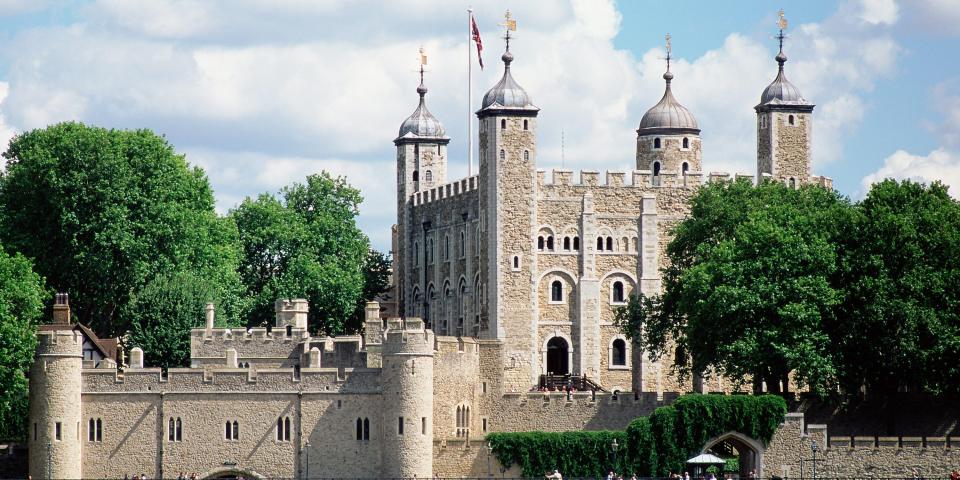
(747, 451)
(231, 473)
(557, 358)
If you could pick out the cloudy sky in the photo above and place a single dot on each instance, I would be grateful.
(263, 93)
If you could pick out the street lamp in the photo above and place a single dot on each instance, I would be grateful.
(814, 448)
(613, 448)
(307, 446)
(489, 451)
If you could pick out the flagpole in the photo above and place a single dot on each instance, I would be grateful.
(469, 93)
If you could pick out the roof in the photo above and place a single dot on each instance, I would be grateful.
(507, 94)
(781, 92)
(668, 116)
(706, 459)
(421, 124)
(106, 346)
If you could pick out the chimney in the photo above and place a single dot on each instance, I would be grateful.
(211, 314)
(61, 309)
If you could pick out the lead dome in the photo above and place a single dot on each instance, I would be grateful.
(781, 91)
(421, 123)
(668, 115)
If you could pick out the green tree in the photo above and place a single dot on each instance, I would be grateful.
(747, 290)
(376, 282)
(102, 212)
(21, 306)
(901, 271)
(305, 244)
(163, 313)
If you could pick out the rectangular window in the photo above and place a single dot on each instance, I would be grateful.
(423, 425)
(35, 431)
(58, 432)
(400, 426)
(484, 389)
(484, 425)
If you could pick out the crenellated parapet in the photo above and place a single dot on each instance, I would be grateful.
(448, 190)
(617, 179)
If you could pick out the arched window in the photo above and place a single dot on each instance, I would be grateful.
(656, 143)
(92, 430)
(618, 353)
(599, 244)
(179, 436)
(503, 154)
(790, 119)
(540, 243)
(359, 429)
(793, 182)
(429, 251)
(556, 291)
(503, 124)
(524, 124)
(289, 330)
(617, 292)
(366, 429)
(550, 243)
(576, 243)
(231, 430)
(279, 429)
(462, 250)
(428, 176)
(685, 168)
(516, 262)
(610, 244)
(446, 247)
(656, 169)
(624, 244)
(686, 142)
(566, 243)
(416, 254)
(526, 155)
(416, 176)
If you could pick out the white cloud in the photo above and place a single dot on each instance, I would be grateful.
(879, 12)
(934, 17)
(263, 93)
(940, 164)
(6, 131)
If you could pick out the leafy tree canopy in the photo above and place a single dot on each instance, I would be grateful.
(21, 306)
(305, 244)
(747, 289)
(901, 274)
(103, 212)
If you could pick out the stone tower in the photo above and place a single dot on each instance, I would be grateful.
(668, 139)
(421, 165)
(407, 385)
(784, 124)
(507, 183)
(55, 406)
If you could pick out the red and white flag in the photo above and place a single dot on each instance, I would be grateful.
(476, 38)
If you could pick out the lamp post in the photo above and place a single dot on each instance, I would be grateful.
(489, 451)
(307, 446)
(613, 448)
(814, 448)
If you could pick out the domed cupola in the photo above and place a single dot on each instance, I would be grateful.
(421, 124)
(668, 116)
(506, 94)
(781, 91)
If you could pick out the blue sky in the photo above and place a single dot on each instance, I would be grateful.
(262, 93)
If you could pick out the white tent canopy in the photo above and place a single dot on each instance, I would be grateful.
(707, 459)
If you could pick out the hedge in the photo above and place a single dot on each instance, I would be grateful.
(651, 446)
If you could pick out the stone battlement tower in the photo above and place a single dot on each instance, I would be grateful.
(55, 405)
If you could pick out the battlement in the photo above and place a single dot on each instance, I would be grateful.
(59, 342)
(616, 179)
(407, 335)
(448, 190)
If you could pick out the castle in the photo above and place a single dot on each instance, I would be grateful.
(504, 281)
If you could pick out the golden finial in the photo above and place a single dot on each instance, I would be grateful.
(423, 56)
(782, 20)
(509, 22)
(667, 37)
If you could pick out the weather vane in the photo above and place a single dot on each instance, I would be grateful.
(510, 24)
(669, 50)
(782, 23)
(423, 62)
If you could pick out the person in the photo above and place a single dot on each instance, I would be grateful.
(556, 475)
(610, 475)
(686, 475)
(712, 476)
(954, 475)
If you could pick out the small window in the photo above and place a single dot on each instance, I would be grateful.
(99, 430)
(524, 124)
(656, 143)
(416, 254)
(556, 291)
(685, 168)
(516, 262)
(609, 244)
(599, 244)
(566, 243)
(656, 169)
(618, 292)
(526, 155)
(340, 402)
(416, 176)
(619, 353)
(179, 435)
(790, 119)
(423, 425)
(793, 182)
(366, 429)
(400, 426)
(231, 430)
(35, 431)
(503, 124)
(359, 429)
(92, 430)
(428, 176)
(550, 243)
(576, 243)
(289, 330)
(540, 243)
(484, 425)
(686, 142)
(503, 154)
(462, 249)
(283, 429)
(446, 247)
(58, 432)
